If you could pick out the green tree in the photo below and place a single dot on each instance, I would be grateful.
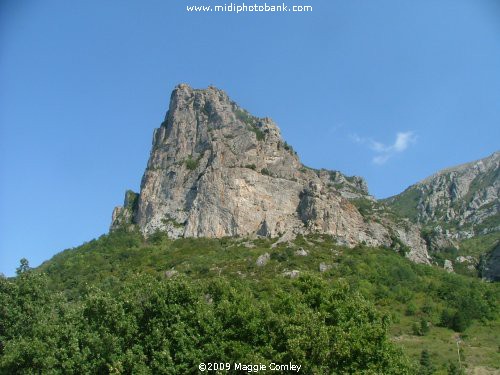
(454, 369)
(169, 326)
(23, 267)
(426, 367)
(424, 327)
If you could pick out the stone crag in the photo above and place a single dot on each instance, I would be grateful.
(461, 202)
(457, 204)
(489, 267)
(215, 170)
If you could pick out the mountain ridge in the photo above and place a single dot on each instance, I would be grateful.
(463, 200)
(460, 167)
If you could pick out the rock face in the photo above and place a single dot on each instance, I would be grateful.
(448, 265)
(216, 171)
(490, 264)
(263, 260)
(462, 201)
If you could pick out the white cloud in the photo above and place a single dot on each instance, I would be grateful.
(403, 140)
(380, 159)
(385, 152)
(357, 139)
(378, 147)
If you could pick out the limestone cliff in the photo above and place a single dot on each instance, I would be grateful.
(215, 171)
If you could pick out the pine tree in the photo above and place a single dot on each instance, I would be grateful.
(426, 367)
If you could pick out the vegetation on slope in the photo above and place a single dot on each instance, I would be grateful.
(485, 233)
(150, 325)
(114, 305)
(405, 204)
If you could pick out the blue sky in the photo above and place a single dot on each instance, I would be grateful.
(392, 90)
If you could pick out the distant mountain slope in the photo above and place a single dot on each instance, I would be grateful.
(463, 200)
(459, 210)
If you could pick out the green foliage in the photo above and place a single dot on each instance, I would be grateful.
(424, 327)
(157, 326)
(411, 309)
(488, 223)
(454, 369)
(252, 123)
(170, 220)
(426, 367)
(455, 320)
(364, 206)
(251, 166)
(405, 204)
(398, 246)
(421, 328)
(375, 282)
(289, 148)
(479, 244)
(447, 253)
(244, 117)
(191, 163)
(265, 172)
(259, 134)
(23, 267)
(131, 200)
(466, 301)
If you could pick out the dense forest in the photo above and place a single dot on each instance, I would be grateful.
(126, 305)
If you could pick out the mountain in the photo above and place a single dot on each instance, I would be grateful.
(234, 252)
(463, 201)
(459, 210)
(217, 171)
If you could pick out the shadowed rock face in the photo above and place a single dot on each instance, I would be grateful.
(216, 171)
(490, 264)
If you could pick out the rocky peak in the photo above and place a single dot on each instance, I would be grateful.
(215, 170)
(462, 201)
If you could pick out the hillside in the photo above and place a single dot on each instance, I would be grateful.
(459, 210)
(427, 307)
(234, 252)
(463, 200)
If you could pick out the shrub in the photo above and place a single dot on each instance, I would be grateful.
(426, 367)
(288, 148)
(411, 309)
(424, 327)
(191, 163)
(265, 172)
(455, 320)
(259, 134)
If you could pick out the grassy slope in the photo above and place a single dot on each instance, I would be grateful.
(408, 292)
(405, 204)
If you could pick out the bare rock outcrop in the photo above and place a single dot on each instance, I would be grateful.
(459, 202)
(489, 265)
(215, 171)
